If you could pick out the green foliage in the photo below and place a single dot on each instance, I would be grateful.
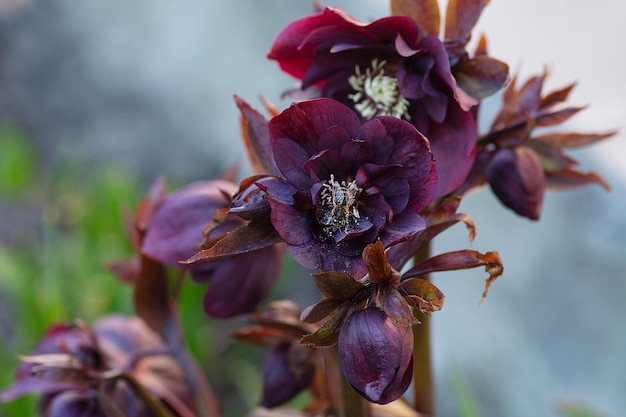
(17, 161)
(61, 276)
(463, 395)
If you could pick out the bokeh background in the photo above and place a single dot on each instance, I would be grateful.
(98, 98)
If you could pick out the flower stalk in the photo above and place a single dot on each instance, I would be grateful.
(423, 381)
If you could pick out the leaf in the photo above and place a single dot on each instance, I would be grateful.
(423, 294)
(378, 268)
(568, 178)
(572, 139)
(519, 104)
(256, 137)
(481, 76)
(337, 285)
(461, 16)
(557, 96)
(481, 46)
(321, 310)
(424, 12)
(556, 114)
(552, 158)
(463, 259)
(328, 334)
(257, 234)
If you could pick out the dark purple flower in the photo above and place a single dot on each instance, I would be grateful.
(287, 371)
(520, 165)
(83, 371)
(345, 184)
(177, 230)
(376, 355)
(385, 68)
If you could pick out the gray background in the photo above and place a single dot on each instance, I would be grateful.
(149, 85)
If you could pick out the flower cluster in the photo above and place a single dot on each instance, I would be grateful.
(354, 182)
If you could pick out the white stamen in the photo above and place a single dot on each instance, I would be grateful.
(377, 94)
(338, 209)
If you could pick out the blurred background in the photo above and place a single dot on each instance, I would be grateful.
(99, 98)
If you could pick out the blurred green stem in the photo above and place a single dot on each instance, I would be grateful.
(345, 400)
(423, 383)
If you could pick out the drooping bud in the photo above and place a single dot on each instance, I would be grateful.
(375, 354)
(286, 372)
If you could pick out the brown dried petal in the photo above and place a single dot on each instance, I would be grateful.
(424, 12)
(463, 259)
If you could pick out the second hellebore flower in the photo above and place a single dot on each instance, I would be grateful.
(346, 183)
(236, 285)
(385, 68)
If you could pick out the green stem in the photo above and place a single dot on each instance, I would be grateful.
(423, 381)
(345, 401)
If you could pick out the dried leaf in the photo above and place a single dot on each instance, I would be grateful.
(424, 12)
(256, 137)
(461, 16)
(463, 259)
(552, 158)
(518, 105)
(255, 235)
(557, 96)
(377, 266)
(572, 139)
(556, 114)
(481, 46)
(569, 178)
(423, 295)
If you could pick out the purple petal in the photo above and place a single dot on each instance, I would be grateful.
(375, 354)
(175, 230)
(516, 177)
(242, 282)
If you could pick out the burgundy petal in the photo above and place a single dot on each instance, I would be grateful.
(175, 230)
(516, 177)
(375, 354)
(242, 282)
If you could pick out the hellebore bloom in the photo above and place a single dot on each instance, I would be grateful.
(376, 355)
(385, 68)
(519, 165)
(370, 320)
(84, 371)
(345, 184)
(176, 232)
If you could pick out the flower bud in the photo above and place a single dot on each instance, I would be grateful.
(286, 372)
(376, 355)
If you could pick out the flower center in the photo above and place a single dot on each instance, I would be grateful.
(377, 94)
(338, 211)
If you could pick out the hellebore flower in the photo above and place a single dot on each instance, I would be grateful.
(370, 320)
(385, 68)
(345, 184)
(84, 371)
(519, 165)
(176, 232)
(376, 355)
